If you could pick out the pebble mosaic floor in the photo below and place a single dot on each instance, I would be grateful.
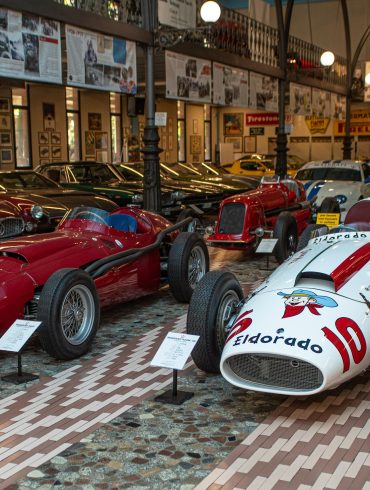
(94, 423)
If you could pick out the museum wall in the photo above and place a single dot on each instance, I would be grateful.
(195, 133)
(168, 133)
(7, 157)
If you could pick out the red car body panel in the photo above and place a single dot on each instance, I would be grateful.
(26, 263)
(261, 210)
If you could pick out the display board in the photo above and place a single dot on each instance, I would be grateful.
(263, 92)
(230, 86)
(100, 62)
(188, 78)
(338, 106)
(180, 14)
(30, 47)
(300, 100)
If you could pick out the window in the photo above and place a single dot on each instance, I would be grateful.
(116, 127)
(21, 128)
(73, 124)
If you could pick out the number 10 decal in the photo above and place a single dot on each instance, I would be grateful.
(343, 325)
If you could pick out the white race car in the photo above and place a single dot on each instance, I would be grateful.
(335, 184)
(305, 329)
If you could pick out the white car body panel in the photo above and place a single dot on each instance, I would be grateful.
(325, 332)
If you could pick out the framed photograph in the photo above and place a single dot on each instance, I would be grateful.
(94, 121)
(5, 122)
(43, 137)
(233, 124)
(56, 152)
(237, 143)
(4, 104)
(250, 144)
(44, 151)
(5, 138)
(101, 140)
(101, 156)
(55, 138)
(48, 111)
(90, 143)
(195, 144)
(44, 160)
(6, 155)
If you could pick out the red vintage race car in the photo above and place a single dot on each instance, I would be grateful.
(277, 208)
(94, 259)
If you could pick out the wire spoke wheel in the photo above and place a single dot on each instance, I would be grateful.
(77, 314)
(224, 313)
(196, 266)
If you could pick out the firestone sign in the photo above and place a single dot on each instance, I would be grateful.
(265, 119)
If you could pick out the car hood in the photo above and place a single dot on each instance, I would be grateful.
(330, 188)
(57, 201)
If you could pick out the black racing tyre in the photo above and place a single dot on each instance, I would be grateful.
(188, 262)
(193, 225)
(329, 205)
(70, 313)
(307, 235)
(286, 232)
(211, 307)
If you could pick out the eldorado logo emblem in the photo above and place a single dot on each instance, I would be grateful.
(304, 344)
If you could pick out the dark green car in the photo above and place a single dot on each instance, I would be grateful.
(95, 177)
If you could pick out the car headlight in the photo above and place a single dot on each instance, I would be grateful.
(137, 198)
(178, 195)
(341, 199)
(37, 212)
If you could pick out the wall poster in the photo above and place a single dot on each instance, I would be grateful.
(321, 103)
(180, 14)
(100, 62)
(230, 86)
(188, 78)
(29, 47)
(263, 92)
(300, 100)
(338, 106)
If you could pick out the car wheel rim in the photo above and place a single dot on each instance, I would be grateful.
(77, 314)
(291, 244)
(196, 266)
(224, 313)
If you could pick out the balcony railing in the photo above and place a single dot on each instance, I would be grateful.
(234, 33)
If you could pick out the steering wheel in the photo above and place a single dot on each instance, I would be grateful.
(91, 216)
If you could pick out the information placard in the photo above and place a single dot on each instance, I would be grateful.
(174, 350)
(328, 219)
(17, 335)
(266, 245)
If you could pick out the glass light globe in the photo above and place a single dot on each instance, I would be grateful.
(327, 58)
(210, 11)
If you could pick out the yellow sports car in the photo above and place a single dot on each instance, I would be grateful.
(252, 166)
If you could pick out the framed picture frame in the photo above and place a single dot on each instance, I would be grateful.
(6, 155)
(94, 121)
(101, 140)
(4, 104)
(5, 122)
(43, 137)
(90, 143)
(250, 144)
(44, 160)
(101, 156)
(55, 138)
(48, 111)
(195, 144)
(5, 138)
(44, 151)
(56, 152)
(236, 142)
(233, 124)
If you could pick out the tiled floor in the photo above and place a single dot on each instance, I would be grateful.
(94, 423)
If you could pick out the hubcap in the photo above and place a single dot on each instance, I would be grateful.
(196, 266)
(225, 311)
(77, 314)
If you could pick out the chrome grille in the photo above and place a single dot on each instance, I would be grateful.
(276, 371)
(232, 218)
(11, 227)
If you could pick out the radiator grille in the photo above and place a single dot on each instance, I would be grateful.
(276, 371)
(232, 218)
(11, 227)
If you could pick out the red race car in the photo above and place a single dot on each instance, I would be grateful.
(278, 208)
(94, 259)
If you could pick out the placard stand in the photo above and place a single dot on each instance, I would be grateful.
(14, 340)
(173, 396)
(19, 377)
(267, 246)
